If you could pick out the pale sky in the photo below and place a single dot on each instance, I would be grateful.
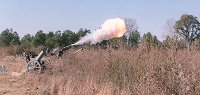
(29, 16)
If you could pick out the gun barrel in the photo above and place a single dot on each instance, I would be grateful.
(39, 57)
(67, 47)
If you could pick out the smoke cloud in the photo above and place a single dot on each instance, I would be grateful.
(110, 29)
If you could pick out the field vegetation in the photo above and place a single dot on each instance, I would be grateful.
(134, 66)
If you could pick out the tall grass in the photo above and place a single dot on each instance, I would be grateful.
(121, 72)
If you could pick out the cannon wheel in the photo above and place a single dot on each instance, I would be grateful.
(34, 65)
(47, 64)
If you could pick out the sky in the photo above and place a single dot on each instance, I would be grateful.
(29, 16)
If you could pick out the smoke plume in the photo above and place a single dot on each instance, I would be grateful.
(110, 29)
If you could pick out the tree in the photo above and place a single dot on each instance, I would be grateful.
(82, 32)
(15, 39)
(26, 41)
(150, 40)
(134, 38)
(8, 37)
(69, 37)
(50, 35)
(131, 26)
(172, 38)
(147, 38)
(168, 42)
(103, 44)
(53, 40)
(39, 39)
(188, 27)
(155, 41)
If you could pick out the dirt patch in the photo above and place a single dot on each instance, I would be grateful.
(12, 81)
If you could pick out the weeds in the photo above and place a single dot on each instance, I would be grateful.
(123, 72)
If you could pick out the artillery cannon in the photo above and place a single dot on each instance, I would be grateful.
(38, 64)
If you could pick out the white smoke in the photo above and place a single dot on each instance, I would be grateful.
(110, 29)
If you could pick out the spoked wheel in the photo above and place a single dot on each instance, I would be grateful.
(45, 64)
(34, 65)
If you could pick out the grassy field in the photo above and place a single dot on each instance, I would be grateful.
(115, 72)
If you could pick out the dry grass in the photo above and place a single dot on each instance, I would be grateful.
(120, 72)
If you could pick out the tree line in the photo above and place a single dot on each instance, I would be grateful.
(9, 37)
(186, 34)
